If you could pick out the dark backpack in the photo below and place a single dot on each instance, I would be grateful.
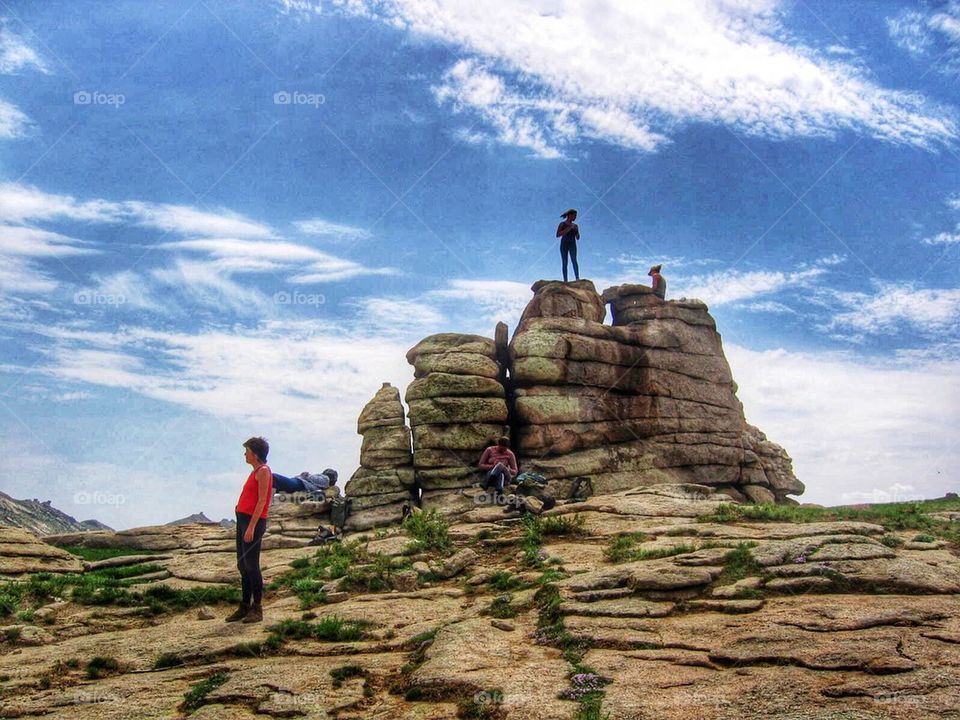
(340, 511)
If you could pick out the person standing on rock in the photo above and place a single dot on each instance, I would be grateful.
(500, 463)
(569, 232)
(659, 284)
(251, 512)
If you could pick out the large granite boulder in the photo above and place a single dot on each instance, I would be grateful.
(648, 400)
(384, 480)
(457, 408)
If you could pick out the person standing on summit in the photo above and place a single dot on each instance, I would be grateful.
(569, 232)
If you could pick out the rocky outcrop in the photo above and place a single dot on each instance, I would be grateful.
(457, 408)
(40, 517)
(645, 401)
(383, 482)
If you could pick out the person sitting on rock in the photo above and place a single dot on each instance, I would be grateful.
(251, 512)
(659, 284)
(500, 463)
(569, 232)
(305, 482)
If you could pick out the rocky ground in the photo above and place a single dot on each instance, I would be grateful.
(659, 602)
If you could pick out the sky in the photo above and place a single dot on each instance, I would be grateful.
(222, 219)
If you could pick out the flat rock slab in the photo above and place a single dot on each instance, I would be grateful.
(627, 607)
(473, 653)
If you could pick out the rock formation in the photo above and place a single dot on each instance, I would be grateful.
(384, 479)
(457, 408)
(647, 400)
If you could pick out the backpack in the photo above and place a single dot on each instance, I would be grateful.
(340, 511)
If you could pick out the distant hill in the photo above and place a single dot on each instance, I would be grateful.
(41, 518)
(195, 518)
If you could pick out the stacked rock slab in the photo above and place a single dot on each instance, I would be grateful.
(384, 480)
(647, 400)
(457, 408)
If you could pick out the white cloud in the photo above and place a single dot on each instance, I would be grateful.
(944, 238)
(13, 122)
(722, 287)
(393, 316)
(489, 301)
(890, 308)
(927, 33)
(548, 80)
(854, 426)
(333, 231)
(16, 54)
(191, 221)
(954, 202)
(22, 203)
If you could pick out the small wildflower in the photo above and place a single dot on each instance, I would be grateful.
(800, 559)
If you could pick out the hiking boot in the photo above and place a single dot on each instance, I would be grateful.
(254, 614)
(239, 614)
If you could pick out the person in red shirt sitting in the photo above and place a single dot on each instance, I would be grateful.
(500, 463)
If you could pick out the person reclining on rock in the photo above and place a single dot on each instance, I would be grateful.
(500, 463)
(305, 482)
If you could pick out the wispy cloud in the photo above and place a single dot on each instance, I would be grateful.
(547, 82)
(944, 238)
(23, 203)
(15, 55)
(721, 288)
(331, 231)
(489, 301)
(930, 311)
(13, 122)
(930, 32)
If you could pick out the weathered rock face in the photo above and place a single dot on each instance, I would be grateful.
(383, 482)
(457, 408)
(648, 400)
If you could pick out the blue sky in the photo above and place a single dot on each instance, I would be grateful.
(219, 221)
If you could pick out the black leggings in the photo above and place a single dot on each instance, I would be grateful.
(569, 247)
(248, 558)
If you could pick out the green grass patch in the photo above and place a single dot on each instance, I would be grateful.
(624, 548)
(167, 660)
(328, 629)
(345, 672)
(564, 525)
(196, 696)
(427, 531)
(501, 608)
(924, 538)
(739, 564)
(892, 516)
(504, 580)
(99, 666)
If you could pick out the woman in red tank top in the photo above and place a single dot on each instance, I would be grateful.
(251, 512)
